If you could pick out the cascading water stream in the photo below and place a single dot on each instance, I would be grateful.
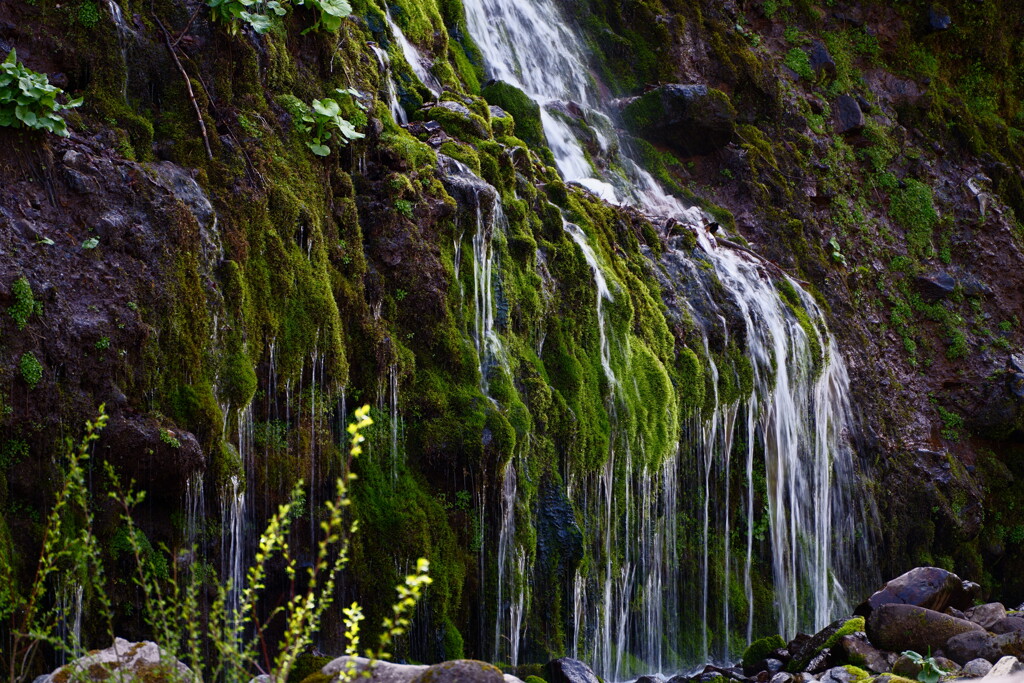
(415, 60)
(796, 410)
(390, 90)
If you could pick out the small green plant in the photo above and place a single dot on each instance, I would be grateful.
(88, 14)
(27, 99)
(234, 12)
(404, 207)
(32, 620)
(797, 60)
(31, 369)
(103, 344)
(930, 672)
(952, 423)
(91, 243)
(167, 437)
(320, 120)
(257, 13)
(25, 304)
(837, 253)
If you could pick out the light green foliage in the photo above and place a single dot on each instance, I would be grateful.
(258, 13)
(913, 209)
(320, 120)
(797, 60)
(255, 13)
(31, 369)
(168, 437)
(931, 672)
(27, 99)
(32, 620)
(25, 304)
(404, 207)
(88, 14)
(952, 423)
(103, 344)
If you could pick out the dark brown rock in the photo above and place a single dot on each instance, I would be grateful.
(1007, 625)
(849, 118)
(971, 645)
(691, 119)
(928, 587)
(908, 627)
(854, 649)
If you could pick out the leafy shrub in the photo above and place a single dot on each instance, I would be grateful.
(329, 13)
(27, 99)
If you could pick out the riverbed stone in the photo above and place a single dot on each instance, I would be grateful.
(909, 627)
(569, 670)
(976, 668)
(855, 649)
(843, 674)
(1007, 625)
(972, 645)
(986, 615)
(929, 587)
(1005, 667)
(461, 671)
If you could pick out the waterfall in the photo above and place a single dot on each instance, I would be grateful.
(233, 544)
(416, 61)
(796, 411)
(391, 92)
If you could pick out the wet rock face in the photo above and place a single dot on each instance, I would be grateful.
(690, 119)
(928, 587)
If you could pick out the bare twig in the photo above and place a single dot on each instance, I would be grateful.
(188, 85)
(181, 35)
(771, 264)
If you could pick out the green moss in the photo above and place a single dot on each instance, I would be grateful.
(913, 209)
(525, 111)
(797, 60)
(25, 304)
(31, 369)
(761, 648)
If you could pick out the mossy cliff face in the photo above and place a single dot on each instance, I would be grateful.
(235, 307)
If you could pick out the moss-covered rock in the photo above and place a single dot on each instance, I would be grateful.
(525, 111)
(690, 119)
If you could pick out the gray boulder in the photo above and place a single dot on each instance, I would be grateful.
(908, 627)
(461, 671)
(690, 119)
(125, 661)
(976, 668)
(929, 587)
(569, 670)
(467, 670)
(1007, 625)
(1005, 667)
(838, 674)
(972, 645)
(986, 615)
